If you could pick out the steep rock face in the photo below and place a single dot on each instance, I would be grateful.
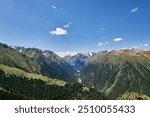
(37, 61)
(116, 72)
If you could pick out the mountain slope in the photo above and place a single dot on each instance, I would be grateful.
(12, 58)
(50, 61)
(35, 62)
(78, 61)
(116, 72)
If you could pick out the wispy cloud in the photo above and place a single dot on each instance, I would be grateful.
(140, 44)
(53, 6)
(106, 43)
(58, 31)
(67, 25)
(134, 10)
(145, 44)
(117, 39)
(135, 47)
(101, 44)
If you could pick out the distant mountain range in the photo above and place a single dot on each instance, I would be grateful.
(80, 60)
(30, 73)
(116, 72)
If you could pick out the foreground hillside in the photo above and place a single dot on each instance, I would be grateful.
(18, 84)
(116, 72)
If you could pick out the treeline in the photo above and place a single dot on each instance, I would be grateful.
(18, 87)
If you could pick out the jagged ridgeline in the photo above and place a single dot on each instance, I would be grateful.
(116, 72)
(37, 61)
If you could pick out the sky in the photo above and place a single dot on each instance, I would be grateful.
(76, 25)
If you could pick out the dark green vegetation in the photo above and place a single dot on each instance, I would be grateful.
(116, 72)
(35, 61)
(18, 84)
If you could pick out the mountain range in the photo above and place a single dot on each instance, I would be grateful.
(30, 73)
(116, 72)
(80, 60)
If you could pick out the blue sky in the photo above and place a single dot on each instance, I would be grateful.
(76, 25)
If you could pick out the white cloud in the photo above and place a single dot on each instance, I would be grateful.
(135, 9)
(53, 6)
(58, 31)
(106, 43)
(117, 39)
(67, 25)
(145, 44)
(100, 44)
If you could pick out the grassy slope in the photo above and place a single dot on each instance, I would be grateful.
(18, 72)
(12, 58)
(18, 84)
